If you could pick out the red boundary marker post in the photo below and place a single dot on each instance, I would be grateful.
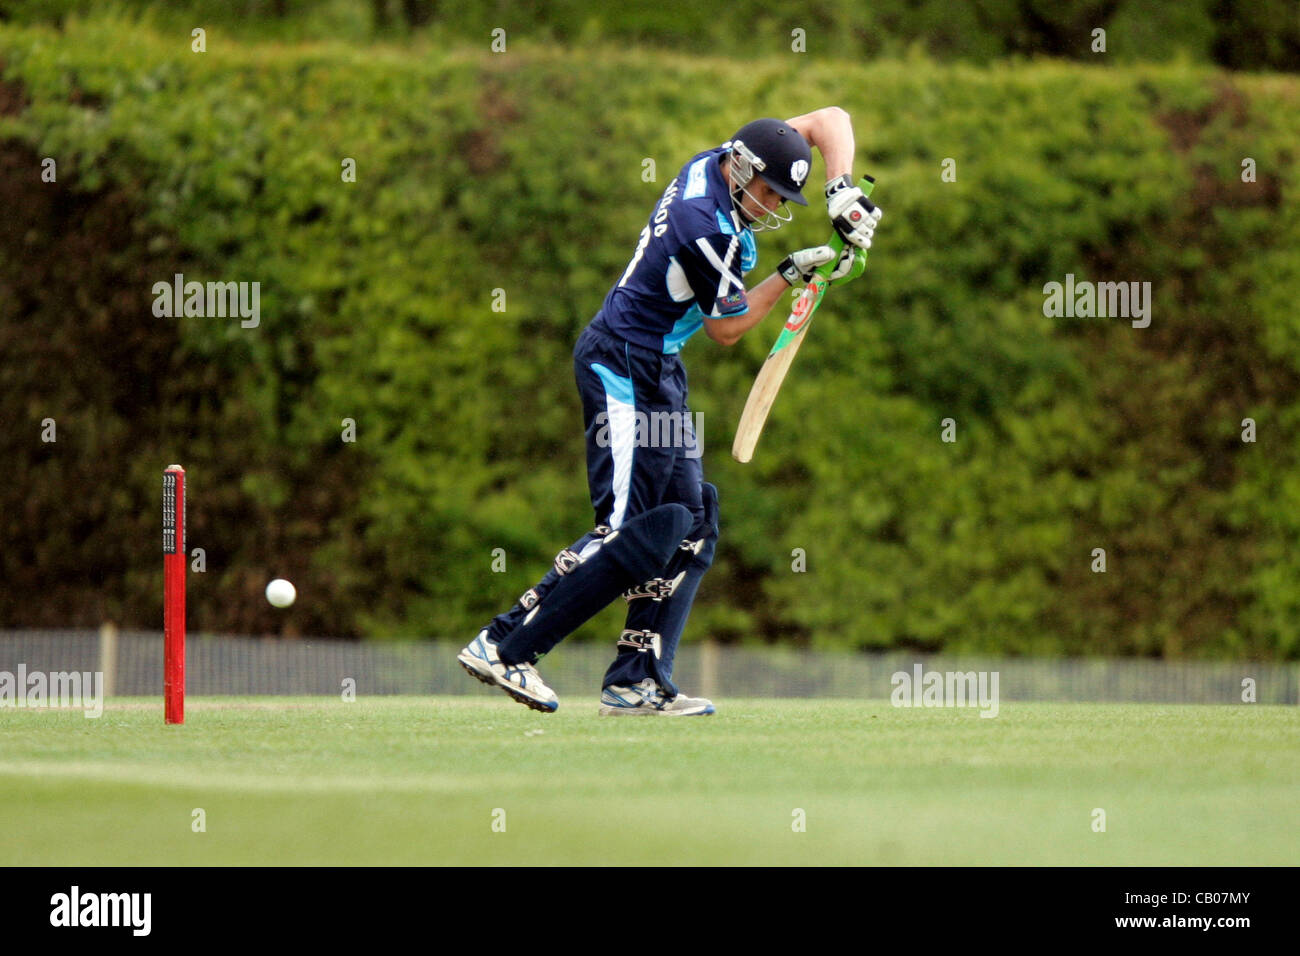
(174, 594)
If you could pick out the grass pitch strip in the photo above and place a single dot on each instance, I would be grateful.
(482, 780)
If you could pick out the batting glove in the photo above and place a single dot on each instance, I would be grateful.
(853, 215)
(800, 266)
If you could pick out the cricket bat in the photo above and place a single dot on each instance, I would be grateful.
(777, 363)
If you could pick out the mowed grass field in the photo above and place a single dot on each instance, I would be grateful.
(421, 781)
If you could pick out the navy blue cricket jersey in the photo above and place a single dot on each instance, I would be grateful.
(689, 263)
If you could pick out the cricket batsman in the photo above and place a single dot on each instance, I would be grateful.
(656, 518)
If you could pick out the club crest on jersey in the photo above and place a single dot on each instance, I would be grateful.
(799, 171)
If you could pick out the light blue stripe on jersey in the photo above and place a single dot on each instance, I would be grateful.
(683, 329)
(748, 248)
(697, 180)
(748, 251)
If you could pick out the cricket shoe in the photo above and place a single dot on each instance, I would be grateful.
(520, 681)
(647, 699)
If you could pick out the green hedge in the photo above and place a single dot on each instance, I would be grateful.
(522, 172)
(1236, 34)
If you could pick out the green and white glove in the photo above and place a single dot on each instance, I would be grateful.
(800, 266)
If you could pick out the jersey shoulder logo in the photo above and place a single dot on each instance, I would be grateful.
(799, 171)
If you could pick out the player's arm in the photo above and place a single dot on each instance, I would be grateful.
(853, 215)
(728, 329)
(796, 268)
(710, 264)
(830, 131)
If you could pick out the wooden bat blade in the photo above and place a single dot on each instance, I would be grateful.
(768, 381)
(761, 396)
(772, 374)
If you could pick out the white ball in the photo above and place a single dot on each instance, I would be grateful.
(280, 592)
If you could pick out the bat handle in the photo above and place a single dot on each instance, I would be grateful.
(866, 184)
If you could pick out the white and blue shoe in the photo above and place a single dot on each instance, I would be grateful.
(520, 681)
(647, 699)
